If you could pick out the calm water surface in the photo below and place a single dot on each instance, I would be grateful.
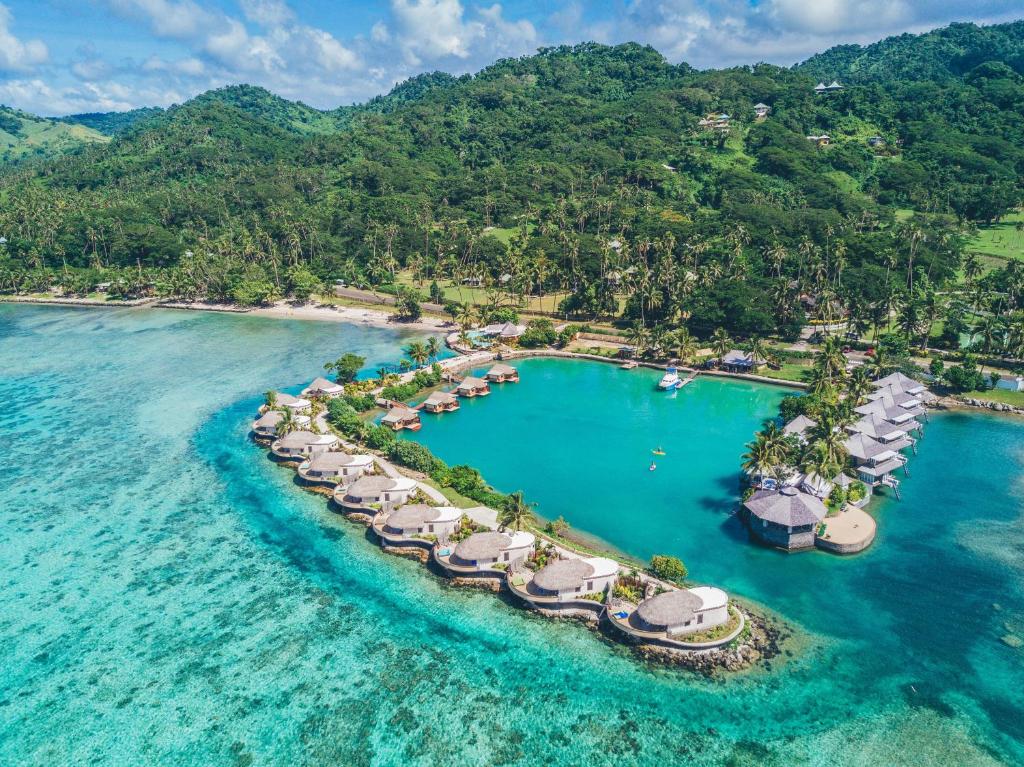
(170, 598)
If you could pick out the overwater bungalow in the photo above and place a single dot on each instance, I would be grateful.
(371, 494)
(874, 461)
(501, 373)
(668, 618)
(417, 524)
(737, 361)
(799, 427)
(565, 583)
(335, 468)
(441, 402)
(481, 552)
(902, 416)
(295, 404)
(904, 382)
(473, 387)
(303, 444)
(321, 387)
(881, 430)
(266, 425)
(786, 518)
(399, 418)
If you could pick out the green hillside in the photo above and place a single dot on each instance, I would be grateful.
(525, 174)
(23, 136)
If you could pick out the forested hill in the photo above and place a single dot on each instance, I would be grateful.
(939, 55)
(556, 169)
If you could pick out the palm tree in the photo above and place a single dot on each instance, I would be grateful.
(819, 460)
(858, 385)
(271, 397)
(287, 423)
(831, 359)
(382, 374)
(758, 349)
(637, 337)
(433, 347)
(515, 512)
(759, 459)
(829, 437)
(418, 353)
(720, 343)
(684, 345)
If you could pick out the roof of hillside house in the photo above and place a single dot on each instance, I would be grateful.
(479, 546)
(412, 515)
(287, 399)
(379, 484)
(787, 507)
(505, 329)
(563, 574)
(400, 414)
(303, 438)
(334, 460)
(270, 418)
(569, 573)
(799, 425)
(324, 386)
(671, 608)
(440, 398)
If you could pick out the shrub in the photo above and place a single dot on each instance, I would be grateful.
(538, 333)
(415, 456)
(668, 568)
(380, 438)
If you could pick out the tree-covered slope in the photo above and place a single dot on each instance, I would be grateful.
(939, 55)
(112, 123)
(23, 135)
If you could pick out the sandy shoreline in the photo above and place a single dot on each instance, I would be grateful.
(279, 310)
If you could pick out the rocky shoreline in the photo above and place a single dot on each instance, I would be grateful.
(970, 403)
(762, 641)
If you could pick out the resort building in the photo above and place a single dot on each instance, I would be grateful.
(668, 618)
(399, 418)
(565, 580)
(295, 404)
(472, 387)
(761, 110)
(375, 493)
(886, 409)
(441, 402)
(876, 142)
(881, 430)
(480, 552)
(823, 140)
(830, 88)
(506, 331)
(336, 468)
(321, 387)
(500, 373)
(303, 444)
(786, 518)
(737, 361)
(799, 427)
(418, 523)
(819, 487)
(266, 425)
(875, 462)
(905, 383)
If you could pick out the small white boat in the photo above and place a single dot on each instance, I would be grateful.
(670, 381)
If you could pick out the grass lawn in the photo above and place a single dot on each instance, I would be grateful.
(1015, 398)
(1002, 240)
(790, 371)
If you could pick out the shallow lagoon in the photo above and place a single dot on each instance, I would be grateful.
(170, 598)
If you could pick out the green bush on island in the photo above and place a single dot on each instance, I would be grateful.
(856, 492)
(538, 333)
(501, 315)
(346, 367)
(416, 457)
(668, 568)
(380, 438)
(627, 591)
(557, 528)
(345, 418)
(422, 379)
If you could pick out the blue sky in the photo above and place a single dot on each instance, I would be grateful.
(64, 56)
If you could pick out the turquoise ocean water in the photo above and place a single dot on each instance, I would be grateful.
(169, 597)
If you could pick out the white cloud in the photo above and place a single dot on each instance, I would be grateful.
(17, 55)
(203, 44)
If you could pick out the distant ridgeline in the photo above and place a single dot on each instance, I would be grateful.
(598, 170)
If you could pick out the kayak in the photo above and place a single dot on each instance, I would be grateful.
(658, 452)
